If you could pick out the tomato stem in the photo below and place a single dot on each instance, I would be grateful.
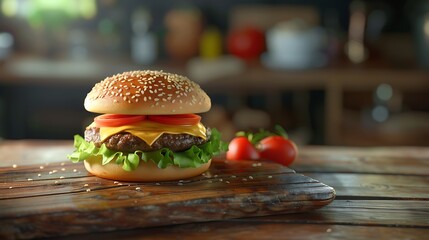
(255, 138)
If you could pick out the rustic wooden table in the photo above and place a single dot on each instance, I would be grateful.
(381, 193)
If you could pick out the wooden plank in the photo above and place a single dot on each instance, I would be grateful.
(262, 230)
(50, 205)
(345, 184)
(343, 219)
(265, 16)
(30, 152)
(380, 160)
(70, 170)
(376, 186)
(406, 152)
(388, 213)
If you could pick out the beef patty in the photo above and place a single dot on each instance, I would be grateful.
(126, 142)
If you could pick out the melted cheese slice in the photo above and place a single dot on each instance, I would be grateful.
(150, 131)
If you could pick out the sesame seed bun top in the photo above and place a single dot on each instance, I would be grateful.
(147, 93)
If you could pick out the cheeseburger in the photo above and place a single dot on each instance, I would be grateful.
(148, 129)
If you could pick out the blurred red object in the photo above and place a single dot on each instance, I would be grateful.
(246, 43)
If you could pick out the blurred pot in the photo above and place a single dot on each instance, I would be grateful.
(294, 45)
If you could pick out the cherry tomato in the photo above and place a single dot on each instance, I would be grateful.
(176, 119)
(246, 43)
(115, 120)
(278, 149)
(240, 148)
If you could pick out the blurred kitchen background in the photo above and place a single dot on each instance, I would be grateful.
(330, 72)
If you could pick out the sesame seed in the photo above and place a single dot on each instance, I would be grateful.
(88, 190)
(61, 177)
(30, 179)
(86, 185)
(39, 175)
(14, 166)
(74, 170)
(137, 188)
(63, 169)
(41, 167)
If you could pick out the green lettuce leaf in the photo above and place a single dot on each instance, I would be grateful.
(191, 158)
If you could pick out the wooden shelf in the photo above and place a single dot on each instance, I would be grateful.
(333, 80)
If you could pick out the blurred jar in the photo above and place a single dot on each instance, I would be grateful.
(420, 17)
(6, 44)
(184, 29)
(144, 47)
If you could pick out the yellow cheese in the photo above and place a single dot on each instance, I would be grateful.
(150, 131)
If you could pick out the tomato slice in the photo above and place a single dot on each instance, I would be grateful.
(177, 119)
(115, 120)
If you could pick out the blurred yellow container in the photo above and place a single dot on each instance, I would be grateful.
(211, 43)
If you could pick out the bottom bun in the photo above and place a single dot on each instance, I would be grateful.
(145, 172)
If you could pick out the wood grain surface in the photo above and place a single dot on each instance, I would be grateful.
(61, 198)
(381, 193)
